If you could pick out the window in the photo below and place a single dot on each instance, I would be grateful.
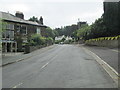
(17, 28)
(3, 34)
(23, 30)
(9, 34)
(10, 26)
(38, 30)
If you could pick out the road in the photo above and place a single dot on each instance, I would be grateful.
(64, 66)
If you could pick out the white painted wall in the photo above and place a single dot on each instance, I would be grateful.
(38, 30)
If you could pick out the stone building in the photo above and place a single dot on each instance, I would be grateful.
(17, 31)
(80, 24)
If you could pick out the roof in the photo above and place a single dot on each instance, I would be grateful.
(11, 18)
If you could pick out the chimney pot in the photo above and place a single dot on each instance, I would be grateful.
(19, 14)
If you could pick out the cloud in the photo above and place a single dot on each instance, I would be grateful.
(17, 7)
(111, 0)
(70, 1)
(58, 12)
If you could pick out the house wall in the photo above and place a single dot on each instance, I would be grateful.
(24, 32)
(18, 34)
(8, 42)
(43, 31)
(38, 30)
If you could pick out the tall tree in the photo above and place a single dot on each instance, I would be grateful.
(34, 19)
(110, 16)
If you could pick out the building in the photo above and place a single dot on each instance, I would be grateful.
(80, 24)
(17, 31)
(63, 36)
(60, 37)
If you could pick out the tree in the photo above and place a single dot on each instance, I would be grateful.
(59, 31)
(49, 33)
(0, 34)
(34, 19)
(84, 32)
(98, 29)
(66, 30)
(111, 18)
(56, 33)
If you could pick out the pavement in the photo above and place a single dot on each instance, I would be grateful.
(109, 55)
(63, 66)
(9, 58)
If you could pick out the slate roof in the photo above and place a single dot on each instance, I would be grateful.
(11, 18)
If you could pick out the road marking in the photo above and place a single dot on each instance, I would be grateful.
(22, 83)
(116, 51)
(45, 65)
(36, 71)
(106, 64)
(17, 85)
(48, 62)
(112, 72)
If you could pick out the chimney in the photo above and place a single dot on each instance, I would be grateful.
(41, 20)
(19, 14)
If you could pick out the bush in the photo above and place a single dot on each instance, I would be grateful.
(49, 40)
(57, 41)
(36, 39)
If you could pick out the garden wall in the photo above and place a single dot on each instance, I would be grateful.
(29, 49)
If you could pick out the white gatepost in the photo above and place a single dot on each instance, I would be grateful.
(5, 47)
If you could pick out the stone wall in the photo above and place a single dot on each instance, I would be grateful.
(29, 49)
(105, 43)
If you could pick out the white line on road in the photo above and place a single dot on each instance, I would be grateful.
(17, 85)
(36, 71)
(112, 72)
(106, 64)
(45, 65)
(48, 62)
(22, 83)
(116, 51)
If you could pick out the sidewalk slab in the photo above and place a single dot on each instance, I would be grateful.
(16, 57)
(110, 56)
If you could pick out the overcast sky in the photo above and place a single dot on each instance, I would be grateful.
(56, 13)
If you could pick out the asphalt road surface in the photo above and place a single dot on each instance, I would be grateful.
(64, 66)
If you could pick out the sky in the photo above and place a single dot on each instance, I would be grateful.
(56, 13)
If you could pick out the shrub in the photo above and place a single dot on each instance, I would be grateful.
(49, 40)
(57, 41)
(36, 39)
